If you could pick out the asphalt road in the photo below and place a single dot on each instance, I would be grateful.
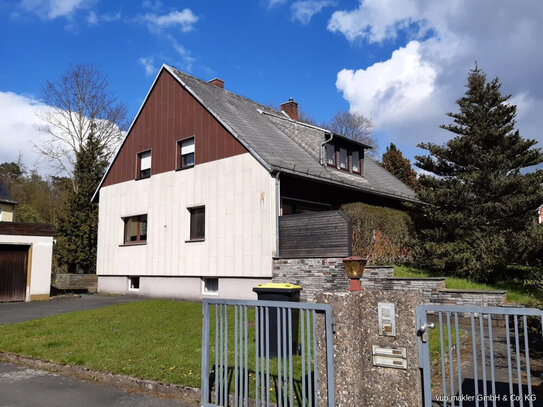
(24, 386)
(11, 312)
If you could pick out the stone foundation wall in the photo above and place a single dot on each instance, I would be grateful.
(314, 275)
(317, 275)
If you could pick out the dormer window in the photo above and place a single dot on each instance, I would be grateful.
(343, 162)
(144, 164)
(331, 155)
(343, 156)
(356, 162)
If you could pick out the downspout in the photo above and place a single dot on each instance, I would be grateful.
(321, 160)
(277, 211)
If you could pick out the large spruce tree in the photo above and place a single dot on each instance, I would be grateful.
(77, 231)
(482, 198)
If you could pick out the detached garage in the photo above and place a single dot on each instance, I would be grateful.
(25, 261)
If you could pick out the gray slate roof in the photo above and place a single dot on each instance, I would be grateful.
(5, 196)
(282, 144)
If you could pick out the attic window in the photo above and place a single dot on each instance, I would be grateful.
(144, 164)
(356, 162)
(185, 150)
(343, 163)
(331, 155)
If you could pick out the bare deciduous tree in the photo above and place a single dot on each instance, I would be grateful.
(354, 126)
(78, 98)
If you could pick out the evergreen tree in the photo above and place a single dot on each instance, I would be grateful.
(77, 231)
(481, 202)
(399, 166)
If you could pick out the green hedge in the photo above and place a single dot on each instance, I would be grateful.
(386, 235)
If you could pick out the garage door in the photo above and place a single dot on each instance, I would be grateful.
(13, 269)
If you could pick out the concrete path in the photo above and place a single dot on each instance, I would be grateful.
(11, 312)
(22, 386)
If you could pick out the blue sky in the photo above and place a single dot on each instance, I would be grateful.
(401, 62)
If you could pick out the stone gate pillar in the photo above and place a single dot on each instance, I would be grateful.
(376, 365)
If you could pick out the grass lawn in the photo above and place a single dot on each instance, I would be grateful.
(155, 339)
(516, 291)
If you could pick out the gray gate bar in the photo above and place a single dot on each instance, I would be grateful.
(496, 361)
(235, 331)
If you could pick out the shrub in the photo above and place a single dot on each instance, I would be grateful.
(384, 235)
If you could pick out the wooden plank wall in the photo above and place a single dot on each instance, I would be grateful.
(316, 234)
(26, 229)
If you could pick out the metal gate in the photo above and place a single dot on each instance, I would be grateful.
(263, 353)
(13, 271)
(480, 356)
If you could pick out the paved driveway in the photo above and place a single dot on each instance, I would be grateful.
(11, 312)
(24, 386)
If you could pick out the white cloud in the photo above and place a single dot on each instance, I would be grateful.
(153, 5)
(304, 10)
(390, 91)
(409, 93)
(19, 128)
(51, 9)
(148, 65)
(273, 3)
(188, 59)
(375, 20)
(184, 19)
(95, 19)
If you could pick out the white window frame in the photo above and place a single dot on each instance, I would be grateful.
(205, 291)
(357, 161)
(131, 285)
(343, 150)
(331, 155)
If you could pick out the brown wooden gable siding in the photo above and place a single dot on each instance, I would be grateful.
(171, 114)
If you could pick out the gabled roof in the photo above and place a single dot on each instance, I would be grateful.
(5, 196)
(287, 145)
(281, 144)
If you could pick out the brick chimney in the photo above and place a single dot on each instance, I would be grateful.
(217, 82)
(290, 108)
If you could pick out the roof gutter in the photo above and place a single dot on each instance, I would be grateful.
(277, 211)
(321, 159)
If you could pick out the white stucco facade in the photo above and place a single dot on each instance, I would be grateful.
(39, 263)
(239, 199)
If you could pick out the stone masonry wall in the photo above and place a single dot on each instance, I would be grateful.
(470, 297)
(76, 282)
(428, 287)
(317, 275)
(314, 275)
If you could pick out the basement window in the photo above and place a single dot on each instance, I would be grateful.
(133, 283)
(210, 286)
(144, 165)
(135, 229)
